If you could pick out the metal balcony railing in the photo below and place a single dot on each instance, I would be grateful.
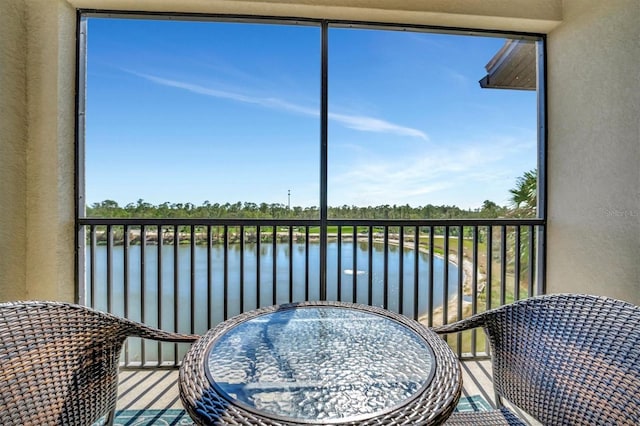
(188, 275)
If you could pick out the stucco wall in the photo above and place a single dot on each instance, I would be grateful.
(13, 127)
(516, 15)
(51, 62)
(594, 150)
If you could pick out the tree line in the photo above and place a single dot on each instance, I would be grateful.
(143, 209)
(522, 204)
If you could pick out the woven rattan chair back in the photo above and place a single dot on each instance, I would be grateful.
(566, 359)
(59, 362)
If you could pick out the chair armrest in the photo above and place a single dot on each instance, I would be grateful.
(137, 329)
(474, 321)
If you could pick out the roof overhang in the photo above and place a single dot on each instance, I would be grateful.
(512, 67)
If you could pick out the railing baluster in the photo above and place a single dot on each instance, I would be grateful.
(489, 283)
(488, 287)
(209, 277)
(290, 264)
(503, 264)
(92, 257)
(531, 262)
(516, 264)
(192, 278)
(430, 283)
(225, 278)
(176, 284)
(109, 268)
(445, 279)
(241, 279)
(339, 265)
(143, 288)
(306, 263)
(416, 273)
(370, 260)
(385, 278)
(274, 265)
(401, 270)
(125, 285)
(354, 277)
(258, 246)
(474, 287)
(159, 288)
(460, 282)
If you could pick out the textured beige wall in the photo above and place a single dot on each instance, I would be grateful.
(594, 150)
(517, 15)
(13, 128)
(51, 62)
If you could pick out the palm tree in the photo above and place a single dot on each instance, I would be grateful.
(523, 204)
(524, 195)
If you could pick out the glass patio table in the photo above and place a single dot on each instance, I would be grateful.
(320, 363)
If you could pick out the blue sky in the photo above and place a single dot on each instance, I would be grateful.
(185, 111)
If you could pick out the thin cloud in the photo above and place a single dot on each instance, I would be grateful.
(455, 176)
(356, 122)
(369, 124)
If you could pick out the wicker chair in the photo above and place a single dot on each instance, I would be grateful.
(565, 359)
(59, 362)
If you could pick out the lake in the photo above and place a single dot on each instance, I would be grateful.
(146, 290)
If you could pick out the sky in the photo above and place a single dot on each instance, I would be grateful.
(188, 111)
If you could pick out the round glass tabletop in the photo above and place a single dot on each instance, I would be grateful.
(320, 363)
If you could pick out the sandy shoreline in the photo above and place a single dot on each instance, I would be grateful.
(467, 283)
(467, 287)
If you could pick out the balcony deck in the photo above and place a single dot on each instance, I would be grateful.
(158, 389)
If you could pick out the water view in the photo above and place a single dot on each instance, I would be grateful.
(142, 290)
